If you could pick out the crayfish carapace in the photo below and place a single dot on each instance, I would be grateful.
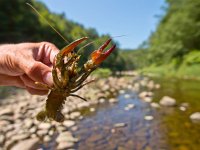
(68, 78)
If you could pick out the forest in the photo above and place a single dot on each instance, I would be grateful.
(172, 49)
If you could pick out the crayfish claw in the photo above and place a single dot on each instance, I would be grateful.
(69, 48)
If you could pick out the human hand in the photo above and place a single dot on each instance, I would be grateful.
(23, 64)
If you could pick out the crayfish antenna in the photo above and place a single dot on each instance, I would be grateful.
(78, 96)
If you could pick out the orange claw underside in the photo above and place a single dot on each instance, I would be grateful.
(98, 55)
(69, 48)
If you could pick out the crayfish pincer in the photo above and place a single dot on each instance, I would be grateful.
(69, 78)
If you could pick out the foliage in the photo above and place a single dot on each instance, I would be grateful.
(102, 73)
(19, 23)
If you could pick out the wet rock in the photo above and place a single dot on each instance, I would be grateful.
(102, 100)
(144, 94)
(127, 96)
(47, 138)
(65, 145)
(121, 91)
(155, 105)
(195, 117)
(33, 129)
(19, 137)
(30, 144)
(42, 132)
(83, 105)
(6, 111)
(182, 108)
(148, 118)
(28, 123)
(75, 115)
(113, 100)
(66, 137)
(129, 106)
(167, 101)
(44, 126)
(2, 139)
(147, 99)
(68, 123)
(92, 109)
(119, 125)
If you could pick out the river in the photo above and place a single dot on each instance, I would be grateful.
(112, 127)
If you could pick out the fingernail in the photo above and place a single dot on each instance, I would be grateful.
(48, 79)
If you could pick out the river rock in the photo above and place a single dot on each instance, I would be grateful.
(44, 126)
(75, 115)
(118, 125)
(148, 118)
(68, 123)
(65, 145)
(129, 106)
(30, 144)
(6, 111)
(167, 101)
(83, 105)
(2, 139)
(127, 96)
(66, 137)
(92, 109)
(102, 100)
(113, 100)
(195, 117)
(19, 137)
(155, 105)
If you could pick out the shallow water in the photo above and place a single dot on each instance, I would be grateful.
(171, 128)
(97, 130)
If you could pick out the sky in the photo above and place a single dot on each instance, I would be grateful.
(136, 19)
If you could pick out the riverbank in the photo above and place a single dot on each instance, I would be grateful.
(19, 126)
(129, 111)
(187, 68)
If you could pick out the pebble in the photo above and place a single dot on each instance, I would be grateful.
(92, 109)
(47, 138)
(44, 126)
(19, 137)
(83, 105)
(26, 144)
(68, 123)
(182, 108)
(148, 118)
(147, 99)
(118, 125)
(167, 101)
(195, 117)
(66, 137)
(113, 100)
(65, 145)
(129, 106)
(127, 96)
(102, 100)
(121, 91)
(155, 105)
(6, 111)
(75, 115)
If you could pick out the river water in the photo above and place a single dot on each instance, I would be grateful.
(111, 127)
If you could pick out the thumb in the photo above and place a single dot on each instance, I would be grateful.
(40, 72)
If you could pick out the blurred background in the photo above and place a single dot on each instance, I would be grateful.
(149, 87)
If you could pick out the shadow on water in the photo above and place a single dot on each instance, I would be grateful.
(97, 131)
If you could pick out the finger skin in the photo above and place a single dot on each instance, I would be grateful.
(6, 80)
(36, 92)
(30, 83)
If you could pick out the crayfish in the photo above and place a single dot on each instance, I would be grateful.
(69, 78)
